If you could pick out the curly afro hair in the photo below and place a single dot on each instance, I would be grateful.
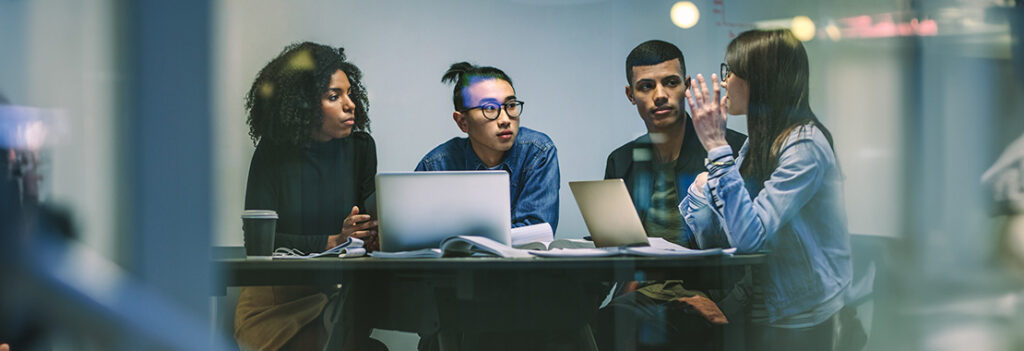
(283, 104)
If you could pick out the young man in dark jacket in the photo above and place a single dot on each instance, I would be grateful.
(657, 168)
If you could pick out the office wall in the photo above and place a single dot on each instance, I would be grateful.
(12, 36)
(566, 59)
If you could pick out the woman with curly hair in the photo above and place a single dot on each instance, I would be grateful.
(784, 193)
(314, 164)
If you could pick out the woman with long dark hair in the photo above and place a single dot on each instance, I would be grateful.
(314, 164)
(782, 194)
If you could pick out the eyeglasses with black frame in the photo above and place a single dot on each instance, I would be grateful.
(724, 71)
(491, 110)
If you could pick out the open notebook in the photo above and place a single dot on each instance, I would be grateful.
(460, 246)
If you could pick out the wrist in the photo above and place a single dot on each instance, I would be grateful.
(719, 153)
(714, 144)
(335, 240)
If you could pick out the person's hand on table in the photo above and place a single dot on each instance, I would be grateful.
(372, 242)
(359, 226)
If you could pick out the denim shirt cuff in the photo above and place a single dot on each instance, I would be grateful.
(720, 152)
(719, 161)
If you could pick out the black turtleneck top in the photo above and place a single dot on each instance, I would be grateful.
(312, 188)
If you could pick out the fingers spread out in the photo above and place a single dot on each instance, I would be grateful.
(716, 88)
(700, 91)
(721, 107)
(689, 99)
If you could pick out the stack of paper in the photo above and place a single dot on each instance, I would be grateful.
(532, 233)
(658, 248)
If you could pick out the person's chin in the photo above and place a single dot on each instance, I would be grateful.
(664, 122)
(504, 145)
(344, 133)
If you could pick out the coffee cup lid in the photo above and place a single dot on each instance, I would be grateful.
(259, 214)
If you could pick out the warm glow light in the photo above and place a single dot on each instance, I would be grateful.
(685, 14)
(884, 26)
(802, 27)
(833, 32)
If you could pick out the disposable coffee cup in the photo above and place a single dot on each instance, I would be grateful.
(259, 227)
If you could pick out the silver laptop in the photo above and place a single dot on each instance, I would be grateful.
(609, 213)
(417, 210)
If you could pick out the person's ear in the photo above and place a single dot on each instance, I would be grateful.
(629, 94)
(460, 120)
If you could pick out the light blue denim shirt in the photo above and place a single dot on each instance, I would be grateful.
(797, 215)
(532, 165)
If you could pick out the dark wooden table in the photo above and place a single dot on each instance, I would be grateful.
(320, 271)
(481, 293)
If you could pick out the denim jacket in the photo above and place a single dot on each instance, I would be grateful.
(797, 215)
(532, 165)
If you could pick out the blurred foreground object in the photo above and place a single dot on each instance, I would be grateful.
(1006, 181)
(26, 135)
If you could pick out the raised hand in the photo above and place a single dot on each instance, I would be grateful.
(708, 112)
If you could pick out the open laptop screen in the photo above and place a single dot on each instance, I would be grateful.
(609, 213)
(418, 210)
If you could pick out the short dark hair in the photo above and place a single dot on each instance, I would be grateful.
(650, 53)
(283, 103)
(462, 73)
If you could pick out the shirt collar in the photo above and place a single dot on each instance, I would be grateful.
(473, 162)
